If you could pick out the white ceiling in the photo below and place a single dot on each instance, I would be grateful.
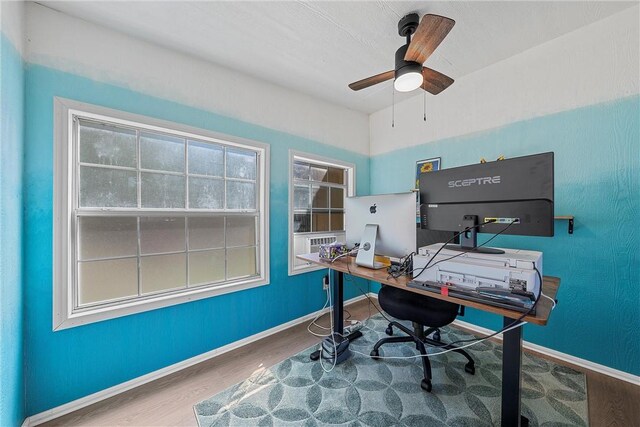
(319, 48)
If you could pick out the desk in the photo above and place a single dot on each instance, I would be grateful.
(512, 340)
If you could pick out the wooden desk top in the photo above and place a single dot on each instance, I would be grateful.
(347, 265)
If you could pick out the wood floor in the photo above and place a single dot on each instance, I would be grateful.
(170, 400)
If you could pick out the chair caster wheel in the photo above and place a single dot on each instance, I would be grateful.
(436, 336)
(470, 368)
(374, 354)
(389, 330)
(426, 385)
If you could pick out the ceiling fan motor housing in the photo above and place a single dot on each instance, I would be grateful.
(404, 67)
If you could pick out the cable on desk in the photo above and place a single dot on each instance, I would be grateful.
(553, 302)
(406, 264)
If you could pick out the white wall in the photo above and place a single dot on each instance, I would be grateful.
(69, 44)
(12, 23)
(556, 76)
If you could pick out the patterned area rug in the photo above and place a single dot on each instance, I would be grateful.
(365, 392)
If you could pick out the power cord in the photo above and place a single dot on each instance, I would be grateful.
(477, 341)
(333, 338)
(371, 303)
(351, 252)
(315, 323)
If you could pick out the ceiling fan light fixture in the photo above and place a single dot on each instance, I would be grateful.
(408, 78)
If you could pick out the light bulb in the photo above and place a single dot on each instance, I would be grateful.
(408, 82)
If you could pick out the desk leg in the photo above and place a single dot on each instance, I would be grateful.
(511, 370)
(337, 286)
(337, 296)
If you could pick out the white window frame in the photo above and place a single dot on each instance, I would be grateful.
(350, 192)
(64, 314)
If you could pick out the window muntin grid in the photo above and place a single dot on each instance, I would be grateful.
(160, 177)
(318, 197)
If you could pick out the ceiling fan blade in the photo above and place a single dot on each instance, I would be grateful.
(373, 80)
(428, 36)
(434, 82)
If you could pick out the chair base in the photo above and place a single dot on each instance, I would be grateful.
(420, 342)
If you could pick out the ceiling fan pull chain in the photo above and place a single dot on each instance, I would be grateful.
(393, 107)
(425, 105)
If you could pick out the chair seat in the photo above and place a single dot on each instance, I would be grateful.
(405, 305)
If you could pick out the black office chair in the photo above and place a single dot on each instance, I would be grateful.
(422, 311)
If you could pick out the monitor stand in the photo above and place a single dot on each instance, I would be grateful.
(367, 250)
(469, 238)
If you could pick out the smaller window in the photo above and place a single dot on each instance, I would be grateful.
(317, 189)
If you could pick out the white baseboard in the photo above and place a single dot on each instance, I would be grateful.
(74, 405)
(583, 363)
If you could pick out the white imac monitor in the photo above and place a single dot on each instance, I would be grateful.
(383, 225)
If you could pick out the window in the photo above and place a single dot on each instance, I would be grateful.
(317, 189)
(151, 213)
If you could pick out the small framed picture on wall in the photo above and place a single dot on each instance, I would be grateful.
(422, 167)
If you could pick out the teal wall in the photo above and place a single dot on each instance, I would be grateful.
(72, 363)
(12, 403)
(597, 179)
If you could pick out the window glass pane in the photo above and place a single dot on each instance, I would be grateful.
(106, 280)
(107, 145)
(318, 173)
(241, 231)
(301, 170)
(206, 232)
(206, 193)
(337, 198)
(100, 187)
(320, 197)
(301, 222)
(206, 267)
(301, 197)
(337, 221)
(162, 272)
(241, 262)
(105, 237)
(161, 152)
(336, 175)
(162, 191)
(241, 195)
(320, 221)
(206, 159)
(161, 234)
(241, 164)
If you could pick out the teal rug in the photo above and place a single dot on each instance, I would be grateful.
(365, 392)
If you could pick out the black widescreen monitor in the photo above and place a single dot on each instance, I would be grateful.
(514, 196)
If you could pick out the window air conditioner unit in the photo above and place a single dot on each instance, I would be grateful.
(313, 243)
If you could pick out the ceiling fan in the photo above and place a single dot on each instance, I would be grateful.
(409, 73)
